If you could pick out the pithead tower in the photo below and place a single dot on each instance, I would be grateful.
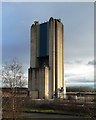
(46, 72)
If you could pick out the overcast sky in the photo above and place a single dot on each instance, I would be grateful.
(78, 20)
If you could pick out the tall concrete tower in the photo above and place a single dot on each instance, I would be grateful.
(46, 72)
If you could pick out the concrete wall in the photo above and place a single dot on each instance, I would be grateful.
(39, 82)
(34, 94)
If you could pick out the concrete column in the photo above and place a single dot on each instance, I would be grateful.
(37, 79)
(51, 57)
(46, 82)
(59, 55)
(63, 81)
(33, 46)
(63, 84)
(33, 79)
(41, 83)
(29, 79)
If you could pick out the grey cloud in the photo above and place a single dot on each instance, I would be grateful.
(73, 62)
(80, 82)
(72, 78)
(78, 61)
(93, 62)
(68, 62)
(69, 75)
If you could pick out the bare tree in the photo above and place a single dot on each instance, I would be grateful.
(13, 77)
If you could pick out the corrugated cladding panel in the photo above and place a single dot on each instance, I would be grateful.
(43, 40)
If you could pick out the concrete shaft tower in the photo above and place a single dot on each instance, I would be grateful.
(46, 72)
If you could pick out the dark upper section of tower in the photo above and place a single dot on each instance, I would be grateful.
(42, 49)
(43, 39)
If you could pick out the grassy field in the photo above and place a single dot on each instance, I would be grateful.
(63, 107)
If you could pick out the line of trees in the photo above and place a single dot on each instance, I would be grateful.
(80, 89)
